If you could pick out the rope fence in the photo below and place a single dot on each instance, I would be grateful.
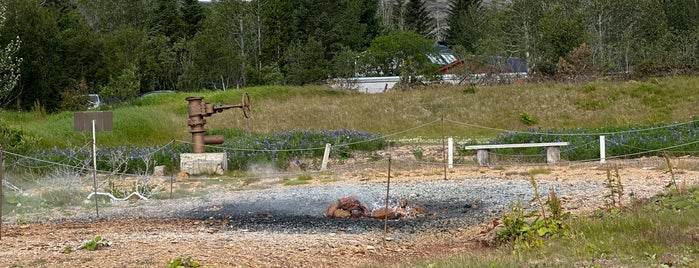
(64, 176)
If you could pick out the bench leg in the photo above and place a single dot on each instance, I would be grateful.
(482, 157)
(553, 154)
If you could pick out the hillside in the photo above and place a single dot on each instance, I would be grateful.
(469, 112)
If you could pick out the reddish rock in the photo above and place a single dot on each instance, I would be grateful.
(341, 213)
(382, 213)
(331, 210)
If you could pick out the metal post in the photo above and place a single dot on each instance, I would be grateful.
(94, 168)
(171, 178)
(388, 187)
(1, 172)
(444, 151)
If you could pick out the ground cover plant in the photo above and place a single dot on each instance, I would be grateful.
(621, 141)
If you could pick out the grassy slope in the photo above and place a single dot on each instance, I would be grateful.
(161, 118)
(661, 232)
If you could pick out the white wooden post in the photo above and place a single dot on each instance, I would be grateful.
(326, 155)
(450, 156)
(602, 149)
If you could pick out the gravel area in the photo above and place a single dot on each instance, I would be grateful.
(453, 203)
(267, 224)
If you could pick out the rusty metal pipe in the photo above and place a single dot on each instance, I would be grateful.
(213, 139)
(197, 110)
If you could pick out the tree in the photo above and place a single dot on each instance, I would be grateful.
(412, 16)
(561, 30)
(465, 19)
(9, 65)
(403, 53)
(276, 15)
(41, 78)
(418, 18)
(109, 15)
(192, 13)
(217, 54)
(168, 20)
(305, 63)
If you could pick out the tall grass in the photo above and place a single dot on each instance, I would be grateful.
(158, 119)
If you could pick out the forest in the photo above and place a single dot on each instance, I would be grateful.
(54, 51)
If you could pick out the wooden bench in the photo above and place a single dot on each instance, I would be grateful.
(553, 150)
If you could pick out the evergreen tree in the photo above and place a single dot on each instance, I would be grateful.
(168, 20)
(465, 19)
(412, 16)
(192, 13)
(398, 15)
(418, 18)
(276, 29)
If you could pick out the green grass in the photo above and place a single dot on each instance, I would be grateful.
(300, 180)
(158, 119)
(536, 171)
(661, 232)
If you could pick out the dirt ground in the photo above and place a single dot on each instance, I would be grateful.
(151, 243)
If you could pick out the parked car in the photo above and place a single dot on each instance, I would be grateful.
(157, 92)
(93, 101)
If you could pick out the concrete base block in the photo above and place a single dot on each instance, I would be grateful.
(204, 163)
(159, 171)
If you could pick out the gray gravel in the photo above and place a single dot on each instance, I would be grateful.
(459, 203)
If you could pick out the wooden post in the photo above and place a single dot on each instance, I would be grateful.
(450, 154)
(602, 150)
(326, 156)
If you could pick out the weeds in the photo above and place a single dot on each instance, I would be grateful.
(182, 262)
(418, 154)
(528, 230)
(673, 181)
(615, 189)
(527, 119)
(95, 244)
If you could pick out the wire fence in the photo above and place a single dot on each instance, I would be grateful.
(41, 181)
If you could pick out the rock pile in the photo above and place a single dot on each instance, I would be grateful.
(351, 207)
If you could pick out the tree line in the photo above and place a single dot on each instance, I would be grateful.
(55, 50)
